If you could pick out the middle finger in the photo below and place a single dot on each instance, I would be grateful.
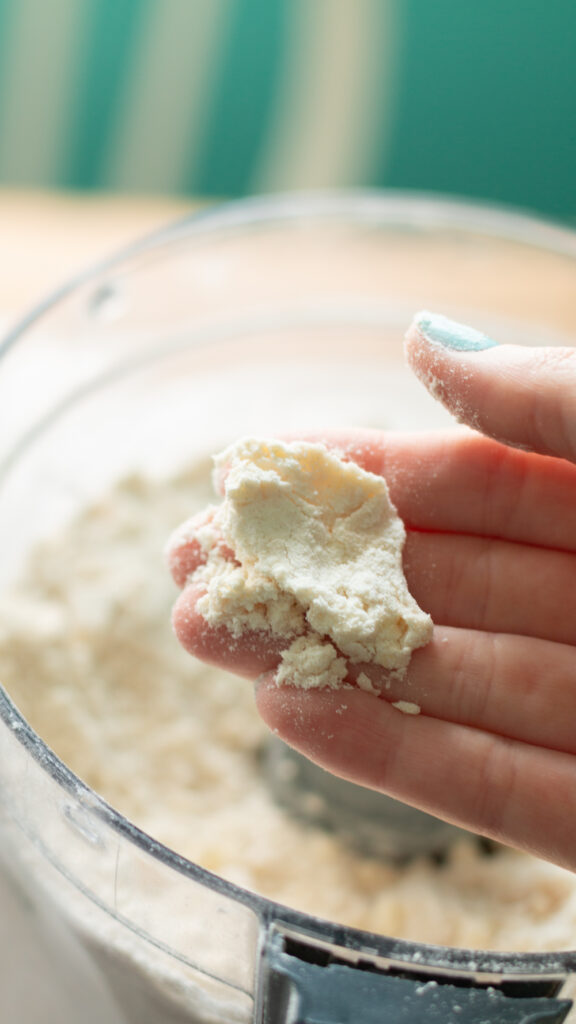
(494, 585)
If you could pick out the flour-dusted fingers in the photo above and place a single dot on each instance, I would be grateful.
(461, 482)
(474, 583)
(249, 654)
(512, 791)
(458, 481)
(494, 585)
(184, 551)
(521, 395)
(516, 686)
(519, 687)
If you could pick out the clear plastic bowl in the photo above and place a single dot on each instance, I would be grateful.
(257, 317)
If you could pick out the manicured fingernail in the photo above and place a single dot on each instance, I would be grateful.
(439, 330)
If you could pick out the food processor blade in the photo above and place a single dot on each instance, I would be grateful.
(371, 822)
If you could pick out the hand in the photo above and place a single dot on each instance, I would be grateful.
(491, 555)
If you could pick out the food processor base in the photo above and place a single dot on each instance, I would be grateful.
(303, 984)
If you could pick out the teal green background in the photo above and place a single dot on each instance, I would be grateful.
(487, 102)
(107, 35)
(243, 101)
(480, 101)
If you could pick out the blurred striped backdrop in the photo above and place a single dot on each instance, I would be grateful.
(231, 97)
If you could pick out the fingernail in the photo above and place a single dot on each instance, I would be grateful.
(439, 330)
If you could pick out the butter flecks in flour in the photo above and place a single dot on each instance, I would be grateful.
(317, 550)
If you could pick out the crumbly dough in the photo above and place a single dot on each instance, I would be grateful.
(317, 550)
(407, 707)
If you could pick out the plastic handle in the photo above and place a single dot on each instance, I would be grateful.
(297, 991)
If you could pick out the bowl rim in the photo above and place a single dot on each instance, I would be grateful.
(429, 210)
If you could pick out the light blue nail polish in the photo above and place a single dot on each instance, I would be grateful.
(441, 331)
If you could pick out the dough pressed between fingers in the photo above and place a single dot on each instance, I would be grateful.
(317, 559)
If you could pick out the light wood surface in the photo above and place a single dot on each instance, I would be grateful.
(47, 237)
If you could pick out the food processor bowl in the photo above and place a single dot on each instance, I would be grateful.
(282, 314)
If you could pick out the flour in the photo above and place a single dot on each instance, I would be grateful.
(407, 707)
(87, 652)
(317, 559)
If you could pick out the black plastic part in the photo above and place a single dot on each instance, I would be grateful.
(299, 991)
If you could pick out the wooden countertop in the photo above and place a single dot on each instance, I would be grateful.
(47, 237)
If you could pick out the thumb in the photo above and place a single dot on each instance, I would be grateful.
(521, 396)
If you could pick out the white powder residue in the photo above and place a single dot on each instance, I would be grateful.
(363, 682)
(310, 661)
(317, 548)
(87, 652)
(407, 707)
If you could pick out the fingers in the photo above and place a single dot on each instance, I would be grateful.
(519, 395)
(460, 482)
(474, 583)
(504, 789)
(454, 483)
(483, 584)
(471, 582)
(184, 551)
(522, 688)
(247, 655)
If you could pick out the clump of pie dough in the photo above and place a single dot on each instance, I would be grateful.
(317, 548)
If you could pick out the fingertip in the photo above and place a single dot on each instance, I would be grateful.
(420, 351)
(517, 394)
(184, 550)
(443, 333)
(442, 354)
(183, 557)
(214, 645)
(247, 654)
(412, 340)
(187, 623)
(435, 342)
(188, 547)
(431, 365)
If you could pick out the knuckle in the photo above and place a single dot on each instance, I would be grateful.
(554, 418)
(496, 790)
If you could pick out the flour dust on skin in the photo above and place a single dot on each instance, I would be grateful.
(317, 560)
